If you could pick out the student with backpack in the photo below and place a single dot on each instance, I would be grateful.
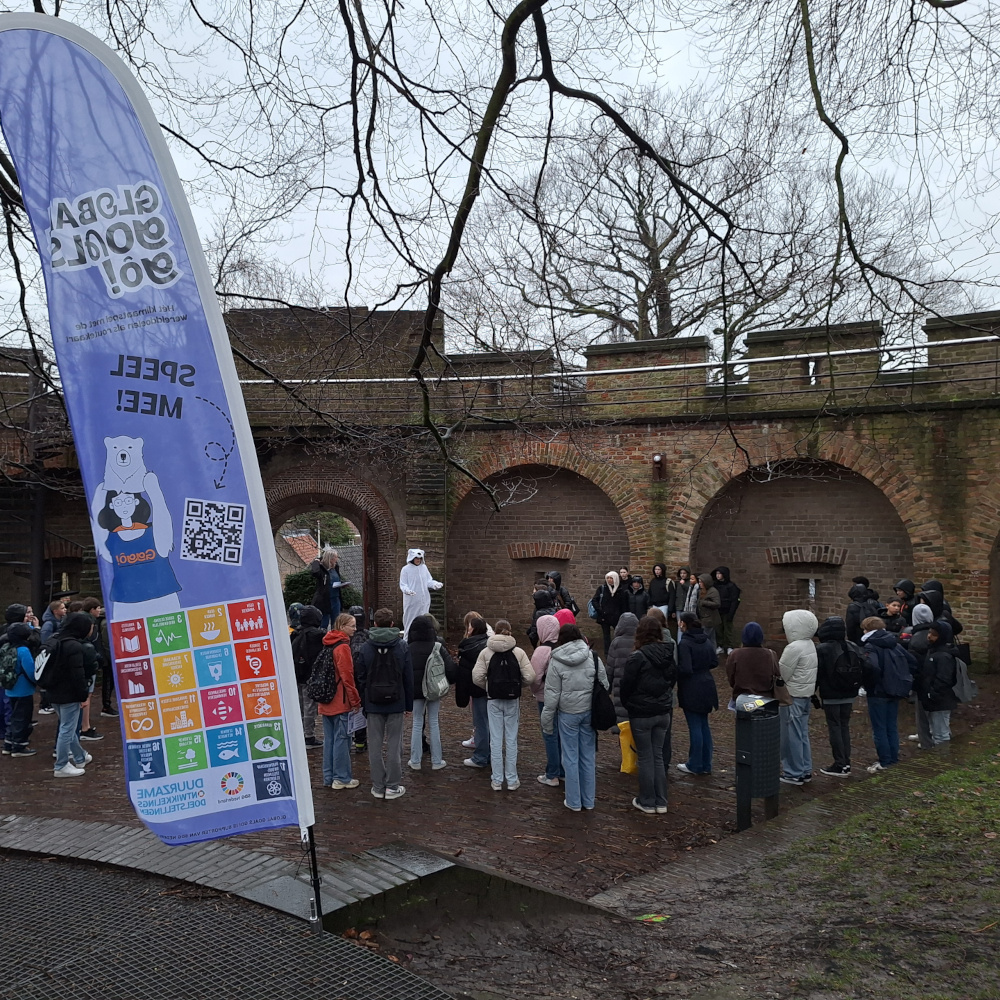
(17, 679)
(839, 666)
(574, 671)
(862, 605)
(646, 689)
(887, 678)
(307, 642)
(60, 668)
(503, 668)
(434, 671)
(331, 688)
(384, 675)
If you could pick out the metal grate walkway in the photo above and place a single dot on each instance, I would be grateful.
(78, 932)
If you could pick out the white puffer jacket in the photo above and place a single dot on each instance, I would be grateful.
(798, 662)
(569, 682)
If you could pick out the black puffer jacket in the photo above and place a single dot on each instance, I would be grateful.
(564, 599)
(422, 638)
(862, 606)
(935, 678)
(67, 680)
(659, 587)
(307, 642)
(934, 599)
(729, 593)
(621, 648)
(610, 607)
(647, 683)
(832, 635)
(638, 600)
(907, 587)
(696, 690)
(468, 652)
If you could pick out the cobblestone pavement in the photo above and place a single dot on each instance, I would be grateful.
(527, 834)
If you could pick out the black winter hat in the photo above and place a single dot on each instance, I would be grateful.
(77, 625)
(15, 613)
(18, 633)
(833, 628)
(309, 616)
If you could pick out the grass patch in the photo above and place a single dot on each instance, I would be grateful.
(903, 901)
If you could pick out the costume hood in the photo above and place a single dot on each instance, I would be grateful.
(412, 554)
(799, 624)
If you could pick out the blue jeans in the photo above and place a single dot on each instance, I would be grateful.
(336, 749)
(67, 742)
(883, 713)
(481, 725)
(553, 752)
(649, 735)
(504, 715)
(579, 758)
(796, 753)
(700, 744)
(432, 708)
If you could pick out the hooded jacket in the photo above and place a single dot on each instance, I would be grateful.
(67, 680)
(709, 604)
(564, 599)
(940, 608)
(307, 641)
(659, 588)
(877, 648)
(346, 697)
(548, 634)
(647, 682)
(569, 681)
(501, 644)
(907, 587)
(391, 637)
(798, 660)
(832, 635)
(638, 600)
(862, 606)
(696, 690)
(679, 591)
(729, 594)
(469, 649)
(50, 624)
(621, 648)
(914, 638)
(18, 633)
(611, 602)
(935, 678)
(752, 667)
(422, 638)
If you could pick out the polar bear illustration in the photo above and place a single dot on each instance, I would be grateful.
(133, 531)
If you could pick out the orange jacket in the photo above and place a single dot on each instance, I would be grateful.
(346, 699)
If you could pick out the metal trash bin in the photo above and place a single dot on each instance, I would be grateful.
(758, 762)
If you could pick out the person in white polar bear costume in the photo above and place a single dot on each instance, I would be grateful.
(416, 583)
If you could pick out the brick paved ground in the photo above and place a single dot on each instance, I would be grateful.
(527, 834)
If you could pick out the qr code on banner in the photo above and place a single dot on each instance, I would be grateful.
(213, 531)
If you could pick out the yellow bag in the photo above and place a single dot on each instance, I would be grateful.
(630, 761)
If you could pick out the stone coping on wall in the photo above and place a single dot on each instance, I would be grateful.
(642, 346)
(969, 325)
(833, 331)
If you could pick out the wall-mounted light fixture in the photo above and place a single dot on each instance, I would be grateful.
(658, 466)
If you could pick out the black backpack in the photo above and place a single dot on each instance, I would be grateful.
(383, 685)
(849, 665)
(602, 709)
(503, 676)
(323, 679)
(47, 661)
(300, 654)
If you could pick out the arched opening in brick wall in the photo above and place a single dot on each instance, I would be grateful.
(823, 525)
(493, 556)
(298, 491)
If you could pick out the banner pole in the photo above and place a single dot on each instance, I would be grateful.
(316, 903)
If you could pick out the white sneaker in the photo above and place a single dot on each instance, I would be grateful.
(87, 758)
(68, 770)
(718, 651)
(395, 793)
(551, 782)
(439, 765)
(684, 769)
(729, 651)
(496, 785)
(469, 744)
(412, 766)
(469, 762)
(913, 738)
(875, 768)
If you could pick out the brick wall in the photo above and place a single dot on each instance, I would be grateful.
(805, 505)
(565, 508)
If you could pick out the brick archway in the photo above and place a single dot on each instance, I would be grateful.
(612, 480)
(299, 489)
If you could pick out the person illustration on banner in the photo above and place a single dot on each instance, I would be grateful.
(134, 532)
(416, 582)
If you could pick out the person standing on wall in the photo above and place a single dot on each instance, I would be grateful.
(610, 603)
(324, 570)
(729, 602)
